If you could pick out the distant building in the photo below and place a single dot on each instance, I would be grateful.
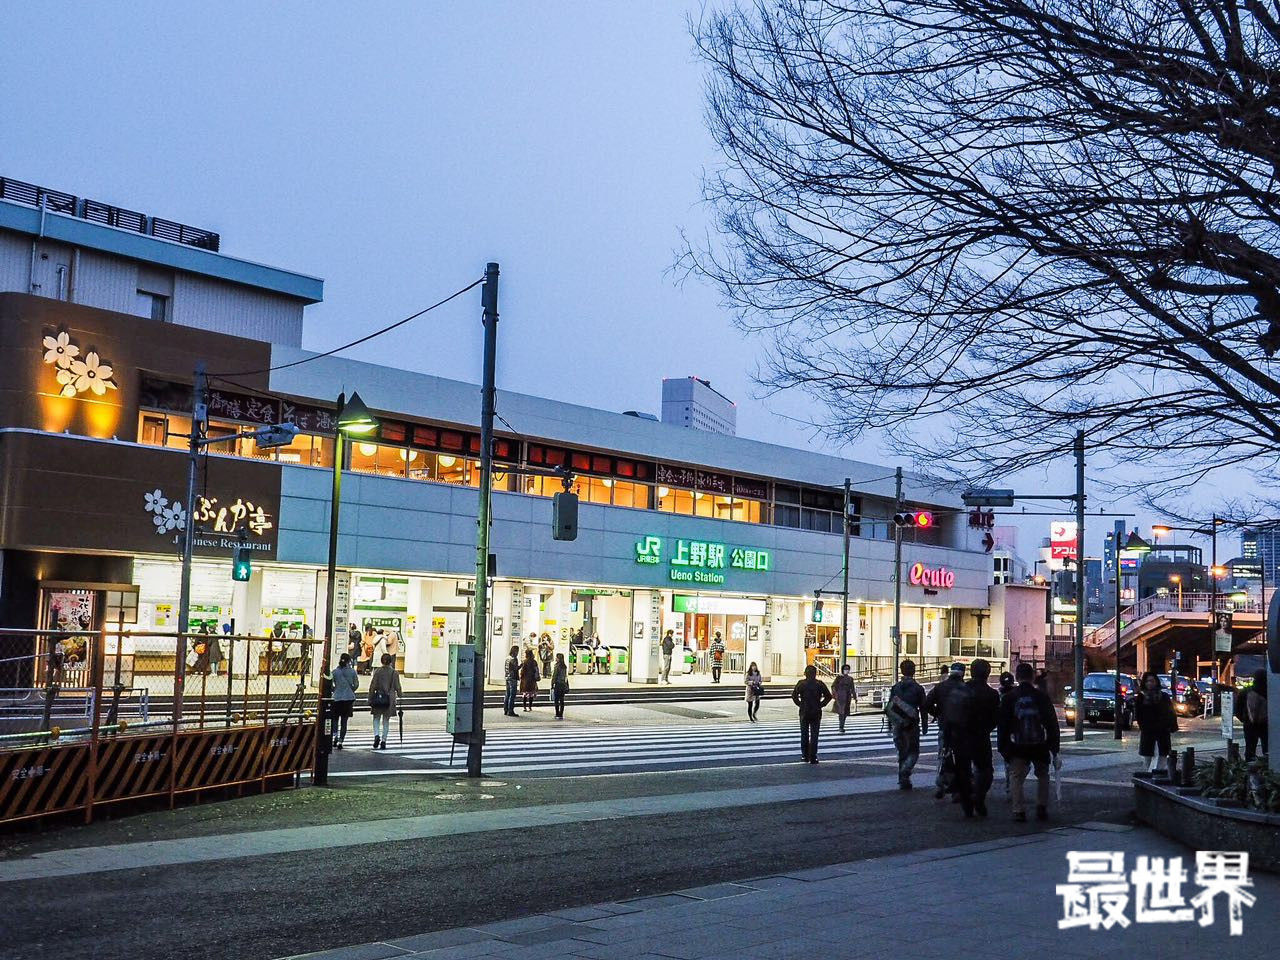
(1262, 544)
(692, 402)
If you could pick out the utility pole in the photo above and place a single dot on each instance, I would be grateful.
(1081, 599)
(480, 617)
(844, 597)
(199, 414)
(897, 576)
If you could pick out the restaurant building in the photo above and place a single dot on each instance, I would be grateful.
(681, 530)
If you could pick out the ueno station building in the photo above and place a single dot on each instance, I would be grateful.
(105, 312)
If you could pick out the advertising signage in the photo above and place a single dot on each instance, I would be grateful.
(699, 561)
(1062, 540)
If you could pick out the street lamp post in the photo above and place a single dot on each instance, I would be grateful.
(354, 419)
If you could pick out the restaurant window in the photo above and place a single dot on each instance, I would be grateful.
(748, 511)
(540, 486)
(382, 459)
(626, 494)
(671, 500)
(594, 489)
(306, 450)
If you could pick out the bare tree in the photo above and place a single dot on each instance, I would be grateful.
(1017, 218)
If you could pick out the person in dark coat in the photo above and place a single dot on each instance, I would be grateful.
(529, 678)
(1028, 738)
(983, 717)
(559, 684)
(810, 695)
(511, 676)
(935, 705)
(845, 694)
(1254, 716)
(1156, 719)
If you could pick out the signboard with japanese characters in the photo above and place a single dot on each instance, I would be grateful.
(699, 561)
(76, 493)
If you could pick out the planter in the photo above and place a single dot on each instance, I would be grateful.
(1204, 824)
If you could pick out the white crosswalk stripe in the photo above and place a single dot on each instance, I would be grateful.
(571, 750)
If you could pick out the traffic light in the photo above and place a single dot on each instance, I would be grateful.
(817, 611)
(564, 516)
(920, 519)
(241, 567)
(1064, 587)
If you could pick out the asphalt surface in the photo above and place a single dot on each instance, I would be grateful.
(273, 906)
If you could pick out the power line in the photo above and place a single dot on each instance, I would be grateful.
(353, 343)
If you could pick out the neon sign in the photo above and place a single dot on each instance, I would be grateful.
(923, 576)
(700, 561)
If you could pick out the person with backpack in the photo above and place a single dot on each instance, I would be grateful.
(1157, 720)
(974, 747)
(559, 685)
(529, 678)
(935, 705)
(384, 690)
(717, 657)
(511, 676)
(1254, 716)
(844, 694)
(1007, 687)
(668, 648)
(907, 720)
(1028, 738)
(810, 695)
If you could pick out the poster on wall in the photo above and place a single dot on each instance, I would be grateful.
(437, 632)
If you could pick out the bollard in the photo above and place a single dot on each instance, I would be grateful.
(1171, 762)
(1189, 767)
(1233, 751)
(1219, 771)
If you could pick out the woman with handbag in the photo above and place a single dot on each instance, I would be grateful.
(755, 690)
(384, 689)
(529, 679)
(559, 685)
(344, 684)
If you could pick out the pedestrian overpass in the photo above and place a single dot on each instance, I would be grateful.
(1153, 628)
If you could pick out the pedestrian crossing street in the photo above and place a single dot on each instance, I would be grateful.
(577, 750)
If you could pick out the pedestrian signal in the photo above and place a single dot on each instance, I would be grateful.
(241, 567)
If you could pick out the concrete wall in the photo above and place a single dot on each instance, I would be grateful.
(1018, 613)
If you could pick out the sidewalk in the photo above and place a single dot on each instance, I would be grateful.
(950, 902)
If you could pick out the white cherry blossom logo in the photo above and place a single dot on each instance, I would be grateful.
(166, 516)
(77, 375)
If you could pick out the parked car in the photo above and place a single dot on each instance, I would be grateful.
(1100, 699)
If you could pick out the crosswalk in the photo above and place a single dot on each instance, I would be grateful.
(568, 751)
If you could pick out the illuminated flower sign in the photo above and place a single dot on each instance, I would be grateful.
(77, 375)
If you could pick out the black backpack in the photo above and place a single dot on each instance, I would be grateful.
(959, 706)
(1028, 725)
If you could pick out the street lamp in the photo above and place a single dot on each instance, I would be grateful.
(1135, 544)
(1176, 578)
(356, 420)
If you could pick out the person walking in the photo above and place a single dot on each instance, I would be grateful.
(353, 643)
(511, 676)
(844, 694)
(811, 696)
(975, 750)
(668, 650)
(1156, 719)
(1028, 738)
(546, 650)
(755, 690)
(907, 720)
(559, 684)
(384, 690)
(529, 678)
(391, 644)
(1254, 717)
(1007, 687)
(345, 682)
(717, 657)
(935, 706)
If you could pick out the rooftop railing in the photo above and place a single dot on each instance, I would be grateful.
(55, 201)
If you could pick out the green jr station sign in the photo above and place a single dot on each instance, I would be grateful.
(700, 561)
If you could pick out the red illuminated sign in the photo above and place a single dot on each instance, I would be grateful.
(923, 576)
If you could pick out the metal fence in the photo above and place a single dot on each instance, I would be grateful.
(81, 732)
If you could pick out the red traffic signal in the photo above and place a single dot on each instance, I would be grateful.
(924, 520)
(920, 519)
